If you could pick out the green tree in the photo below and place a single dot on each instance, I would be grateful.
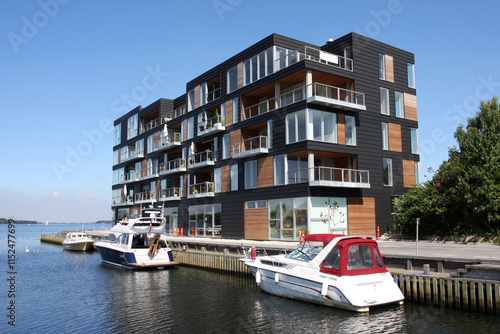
(463, 196)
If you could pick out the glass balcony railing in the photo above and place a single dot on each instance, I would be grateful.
(145, 196)
(122, 200)
(315, 55)
(147, 173)
(331, 177)
(201, 159)
(173, 193)
(340, 97)
(173, 139)
(201, 189)
(213, 124)
(136, 153)
(173, 166)
(250, 146)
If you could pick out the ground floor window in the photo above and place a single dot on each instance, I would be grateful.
(291, 216)
(205, 220)
(171, 217)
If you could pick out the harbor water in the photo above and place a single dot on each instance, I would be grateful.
(57, 291)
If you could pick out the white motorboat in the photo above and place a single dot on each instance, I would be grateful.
(78, 241)
(138, 243)
(334, 270)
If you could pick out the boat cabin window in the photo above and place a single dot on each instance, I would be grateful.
(378, 258)
(124, 239)
(306, 251)
(360, 257)
(111, 237)
(332, 259)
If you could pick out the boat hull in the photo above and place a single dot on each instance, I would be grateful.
(134, 259)
(334, 293)
(82, 246)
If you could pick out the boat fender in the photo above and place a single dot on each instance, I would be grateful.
(253, 253)
(324, 288)
(257, 277)
(276, 278)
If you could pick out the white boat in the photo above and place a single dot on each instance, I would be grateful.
(334, 270)
(78, 241)
(138, 243)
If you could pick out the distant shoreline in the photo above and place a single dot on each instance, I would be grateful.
(4, 221)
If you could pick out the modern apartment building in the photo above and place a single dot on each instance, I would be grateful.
(284, 137)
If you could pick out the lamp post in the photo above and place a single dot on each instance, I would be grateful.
(418, 223)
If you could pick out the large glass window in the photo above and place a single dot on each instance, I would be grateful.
(411, 75)
(387, 168)
(414, 141)
(251, 174)
(132, 126)
(322, 126)
(218, 180)
(226, 146)
(234, 177)
(384, 101)
(381, 66)
(191, 100)
(117, 134)
(236, 110)
(287, 218)
(116, 158)
(296, 126)
(205, 220)
(190, 127)
(350, 130)
(385, 136)
(150, 146)
(399, 104)
(279, 170)
(232, 79)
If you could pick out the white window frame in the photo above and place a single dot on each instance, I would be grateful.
(351, 124)
(381, 66)
(132, 126)
(388, 162)
(414, 140)
(384, 101)
(226, 146)
(399, 104)
(231, 71)
(117, 139)
(234, 177)
(251, 175)
(385, 136)
(410, 68)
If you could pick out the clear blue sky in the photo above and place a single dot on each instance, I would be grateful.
(67, 67)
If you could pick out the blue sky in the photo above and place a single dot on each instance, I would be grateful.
(70, 67)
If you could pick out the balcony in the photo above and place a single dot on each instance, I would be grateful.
(212, 125)
(331, 177)
(332, 96)
(170, 194)
(145, 197)
(129, 177)
(147, 173)
(250, 147)
(172, 166)
(315, 55)
(205, 189)
(137, 153)
(201, 159)
(122, 200)
(173, 139)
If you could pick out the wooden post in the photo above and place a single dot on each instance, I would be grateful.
(414, 295)
(472, 291)
(435, 290)
(465, 295)
(456, 288)
(449, 293)
(489, 298)
(480, 296)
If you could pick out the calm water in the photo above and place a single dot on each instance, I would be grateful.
(64, 292)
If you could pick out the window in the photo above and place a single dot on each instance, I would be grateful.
(411, 75)
(385, 136)
(279, 170)
(191, 100)
(151, 139)
(399, 104)
(118, 134)
(322, 126)
(256, 205)
(381, 66)
(116, 158)
(232, 79)
(190, 127)
(417, 178)
(226, 146)
(234, 177)
(132, 127)
(218, 180)
(296, 126)
(203, 94)
(414, 141)
(236, 110)
(332, 259)
(350, 130)
(384, 101)
(251, 174)
(360, 257)
(387, 166)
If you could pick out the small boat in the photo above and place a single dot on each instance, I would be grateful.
(138, 243)
(334, 270)
(78, 241)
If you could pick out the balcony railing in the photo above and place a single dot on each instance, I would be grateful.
(176, 112)
(145, 196)
(331, 177)
(147, 173)
(129, 177)
(250, 146)
(152, 124)
(205, 189)
(201, 159)
(122, 200)
(313, 55)
(339, 97)
(136, 153)
(283, 100)
(213, 95)
(173, 139)
(170, 194)
(173, 166)
(212, 125)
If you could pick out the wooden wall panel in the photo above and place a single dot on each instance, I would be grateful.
(395, 141)
(361, 216)
(409, 174)
(410, 101)
(197, 101)
(256, 224)
(184, 186)
(229, 113)
(226, 179)
(234, 137)
(389, 68)
(265, 176)
(240, 75)
(185, 127)
(341, 129)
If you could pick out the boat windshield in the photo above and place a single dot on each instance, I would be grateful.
(306, 251)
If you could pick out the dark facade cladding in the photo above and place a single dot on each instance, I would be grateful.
(281, 139)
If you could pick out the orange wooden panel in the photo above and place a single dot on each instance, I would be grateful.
(157, 135)
(265, 172)
(410, 106)
(361, 216)
(197, 96)
(409, 174)
(185, 126)
(341, 128)
(395, 141)
(240, 75)
(184, 186)
(229, 113)
(234, 137)
(226, 179)
(256, 224)
(389, 68)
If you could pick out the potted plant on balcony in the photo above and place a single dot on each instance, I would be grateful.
(210, 187)
(183, 162)
(176, 192)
